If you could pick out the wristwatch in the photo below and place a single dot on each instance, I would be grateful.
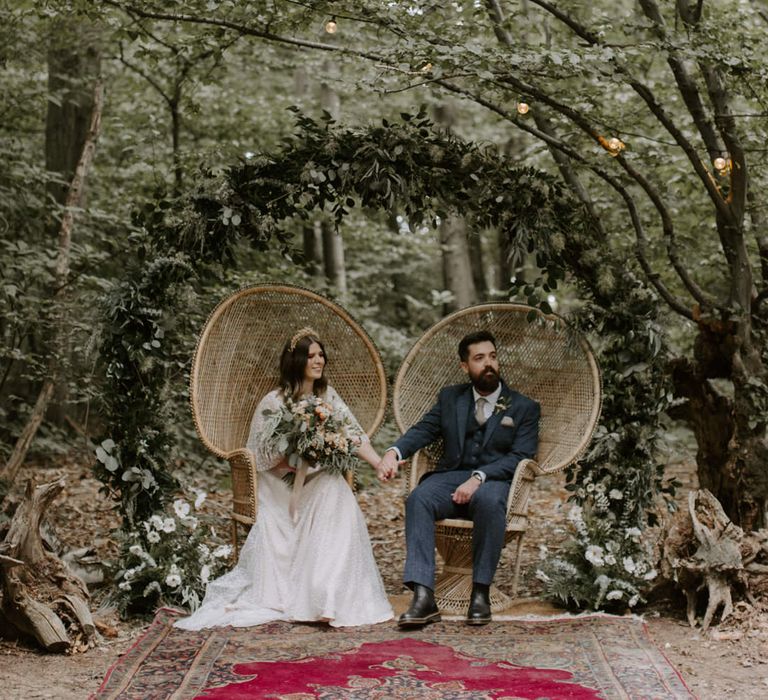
(479, 477)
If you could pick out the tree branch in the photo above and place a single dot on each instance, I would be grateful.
(245, 30)
(655, 107)
(640, 250)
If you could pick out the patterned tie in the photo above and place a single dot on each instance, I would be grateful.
(480, 411)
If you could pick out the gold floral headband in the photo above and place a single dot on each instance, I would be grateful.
(303, 333)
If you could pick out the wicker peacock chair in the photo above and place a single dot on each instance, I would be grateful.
(236, 364)
(543, 359)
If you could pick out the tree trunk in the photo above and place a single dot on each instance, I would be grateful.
(730, 431)
(312, 244)
(477, 262)
(333, 257)
(505, 269)
(41, 598)
(61, 274)
(457, 270)
(73, 67)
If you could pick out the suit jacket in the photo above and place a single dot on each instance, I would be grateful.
(511, 434)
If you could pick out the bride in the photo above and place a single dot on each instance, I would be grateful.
(308, 556)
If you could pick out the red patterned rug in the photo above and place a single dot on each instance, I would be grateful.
(581, 658)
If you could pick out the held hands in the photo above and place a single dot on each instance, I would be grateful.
(387, 466)
(465, 491)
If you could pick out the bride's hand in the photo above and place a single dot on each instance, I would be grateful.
(282, 468)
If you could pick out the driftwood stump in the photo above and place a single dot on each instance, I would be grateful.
(39, 596)
(704, 550)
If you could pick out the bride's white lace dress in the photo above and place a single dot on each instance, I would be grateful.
(320, 567)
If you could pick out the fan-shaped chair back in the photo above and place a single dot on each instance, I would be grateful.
(236, 364)
(543, 359)
(237, 357)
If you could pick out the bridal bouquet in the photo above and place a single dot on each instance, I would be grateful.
(310, 430)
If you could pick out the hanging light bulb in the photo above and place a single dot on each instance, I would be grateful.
(720, 163)
(522, 107)
(331, 26)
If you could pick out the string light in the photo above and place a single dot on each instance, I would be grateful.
(522, 108)
(722, 165)
(331, 26)
(615, 146)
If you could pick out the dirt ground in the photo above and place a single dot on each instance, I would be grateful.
(730, 660)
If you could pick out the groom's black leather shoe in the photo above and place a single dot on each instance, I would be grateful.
(479, 612)
(423, 609)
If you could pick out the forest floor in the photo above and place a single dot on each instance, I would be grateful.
(730, 660)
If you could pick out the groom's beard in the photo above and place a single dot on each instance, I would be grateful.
(486, 381)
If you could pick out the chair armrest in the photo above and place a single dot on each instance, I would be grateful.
(520, 491)
(245, 485)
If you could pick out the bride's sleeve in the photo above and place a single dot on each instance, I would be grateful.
(260, 441)
(353, 427)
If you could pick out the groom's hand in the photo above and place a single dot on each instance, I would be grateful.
(387, 466)
(465, 491)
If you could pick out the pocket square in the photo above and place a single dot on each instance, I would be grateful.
(507, 421)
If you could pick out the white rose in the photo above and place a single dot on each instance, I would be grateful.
(153, 537)
(135, 549)
(181, 508)
(157, 522)
(594, 555)
(169, 525)
(173, 580)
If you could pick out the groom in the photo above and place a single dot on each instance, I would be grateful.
(487, 429)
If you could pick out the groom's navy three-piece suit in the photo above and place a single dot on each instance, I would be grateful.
(495, 448)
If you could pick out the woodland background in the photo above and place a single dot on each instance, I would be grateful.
(605, 159)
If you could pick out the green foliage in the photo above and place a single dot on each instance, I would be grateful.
(615, 486)
(407, 166)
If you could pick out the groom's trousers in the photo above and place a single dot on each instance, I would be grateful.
(431, 501)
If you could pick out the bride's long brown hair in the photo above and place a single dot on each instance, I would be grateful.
(292, 365)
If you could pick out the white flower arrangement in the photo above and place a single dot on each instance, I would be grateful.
(169, 559)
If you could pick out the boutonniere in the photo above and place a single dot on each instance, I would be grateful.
(501, 405)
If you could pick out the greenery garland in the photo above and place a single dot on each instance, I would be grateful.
(423, 173)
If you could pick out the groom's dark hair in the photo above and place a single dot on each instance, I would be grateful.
(471, 339)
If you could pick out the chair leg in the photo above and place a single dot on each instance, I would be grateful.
(518, 552)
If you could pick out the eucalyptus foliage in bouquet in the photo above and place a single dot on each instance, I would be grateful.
(169, 559)
(310, 429)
